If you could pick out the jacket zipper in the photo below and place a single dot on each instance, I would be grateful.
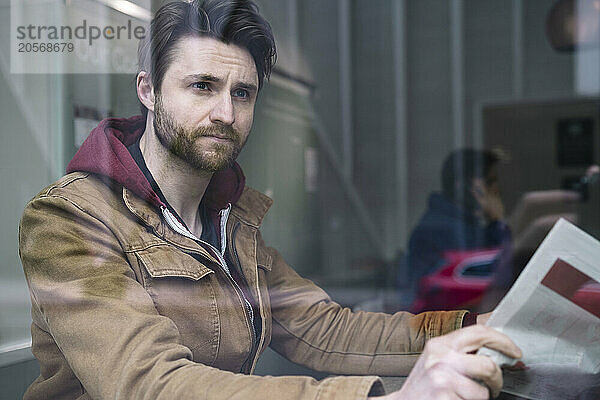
(248, 364)
(224, 213)
(249, 311)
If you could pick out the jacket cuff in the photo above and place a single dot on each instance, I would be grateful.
(351, 387)
(439, 323)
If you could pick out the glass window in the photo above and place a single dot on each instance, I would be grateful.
(396, 138)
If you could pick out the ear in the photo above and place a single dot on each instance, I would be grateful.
(145, 90)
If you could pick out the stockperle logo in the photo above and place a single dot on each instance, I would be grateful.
(90, 33)
(77, 36)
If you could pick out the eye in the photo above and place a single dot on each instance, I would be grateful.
(241, 93)
(200, 85)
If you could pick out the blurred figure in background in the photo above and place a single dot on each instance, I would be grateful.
(468, 215)
(465, 252)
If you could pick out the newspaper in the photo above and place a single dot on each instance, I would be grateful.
(552, 313)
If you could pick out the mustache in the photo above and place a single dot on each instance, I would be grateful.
(220, 131)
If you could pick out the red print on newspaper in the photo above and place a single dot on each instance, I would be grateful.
(573, 285)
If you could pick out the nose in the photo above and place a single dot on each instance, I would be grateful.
(222, 111)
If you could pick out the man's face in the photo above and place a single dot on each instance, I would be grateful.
(205, 107)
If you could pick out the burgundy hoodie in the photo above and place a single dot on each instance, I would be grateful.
(105, 153)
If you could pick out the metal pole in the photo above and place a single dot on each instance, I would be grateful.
(345, 66)
(399, 24)
(457, 71)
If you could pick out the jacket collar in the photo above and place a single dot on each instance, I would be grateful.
(152, 218)
(252, 207)
(105, 153)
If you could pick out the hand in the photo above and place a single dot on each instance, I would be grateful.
(483, 318)
(489, 200)
(446, 371)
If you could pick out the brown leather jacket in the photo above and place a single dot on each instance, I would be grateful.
(122, 310)
(126, 305)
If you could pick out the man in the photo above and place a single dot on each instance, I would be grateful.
(467, 215)
(149, 278)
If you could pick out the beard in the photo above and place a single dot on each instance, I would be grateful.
(204, 155)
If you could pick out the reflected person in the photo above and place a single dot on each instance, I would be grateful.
(468, 214)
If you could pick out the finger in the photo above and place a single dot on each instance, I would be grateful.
(447, 382)
(458, 384)
(468, 389)
(474, 337)
(480, 368)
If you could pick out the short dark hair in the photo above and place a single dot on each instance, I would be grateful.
(230, 21)
(461, 167)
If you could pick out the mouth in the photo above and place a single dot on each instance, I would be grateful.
(218, 138)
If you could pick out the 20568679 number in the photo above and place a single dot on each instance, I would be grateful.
(45, 47)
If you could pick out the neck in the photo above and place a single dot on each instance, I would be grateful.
(182, 185)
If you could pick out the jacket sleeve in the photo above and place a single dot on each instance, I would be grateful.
(85, 295)
(312, 330)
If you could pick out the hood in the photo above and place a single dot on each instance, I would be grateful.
(105, 153)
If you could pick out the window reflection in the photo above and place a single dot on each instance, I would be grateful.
(367, 101)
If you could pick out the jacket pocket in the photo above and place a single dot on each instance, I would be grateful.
(183, 290)
(165, 261)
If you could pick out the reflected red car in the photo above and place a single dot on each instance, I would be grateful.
(466, 276)
(459, 284)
